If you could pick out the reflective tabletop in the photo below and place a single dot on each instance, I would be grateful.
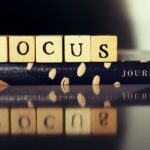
(75, 117)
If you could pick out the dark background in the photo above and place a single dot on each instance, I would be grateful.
(33, 17)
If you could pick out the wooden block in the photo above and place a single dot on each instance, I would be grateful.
(4, 121)
(78, 121)
(23, 121)
(22, 49)
(3, 49)
(49, 121)
(77, 48)
(104, 121)
(49, 49)
(104, 48)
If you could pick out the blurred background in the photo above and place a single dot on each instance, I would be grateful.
(129, 19)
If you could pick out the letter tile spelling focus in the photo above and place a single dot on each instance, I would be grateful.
(49, 49)
(77, 48)
(78, 121)
(104, 121)
(49, 121)
(23, 121)
(104, 48)
(3, 49)
(21, 49)
(4, 121)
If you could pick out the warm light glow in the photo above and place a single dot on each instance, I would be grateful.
(138, 13)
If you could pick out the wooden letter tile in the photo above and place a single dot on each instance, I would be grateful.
(3, 49)
(23, 121)
(22, 49)
(104, 121)
(4, 121)
(49, 121)
(77, 48)
(78, 121)
(49, 49)
(104, 48)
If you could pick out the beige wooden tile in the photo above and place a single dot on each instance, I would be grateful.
(21, 48)
(77, 48)
(23, 121)
(3, 49)
(104, 48)
(4, 121)
(49, 49)
(104, 121)
(78, 121)
(49, 121)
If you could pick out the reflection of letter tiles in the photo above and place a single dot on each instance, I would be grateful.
(49, 49)
(23, 121)
(49, 121)
(22, 49)
(4, 121)
(3, 49)
(78, 121)
(77, 48)
(104, 121)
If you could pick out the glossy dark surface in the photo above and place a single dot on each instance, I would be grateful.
(131, 103)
